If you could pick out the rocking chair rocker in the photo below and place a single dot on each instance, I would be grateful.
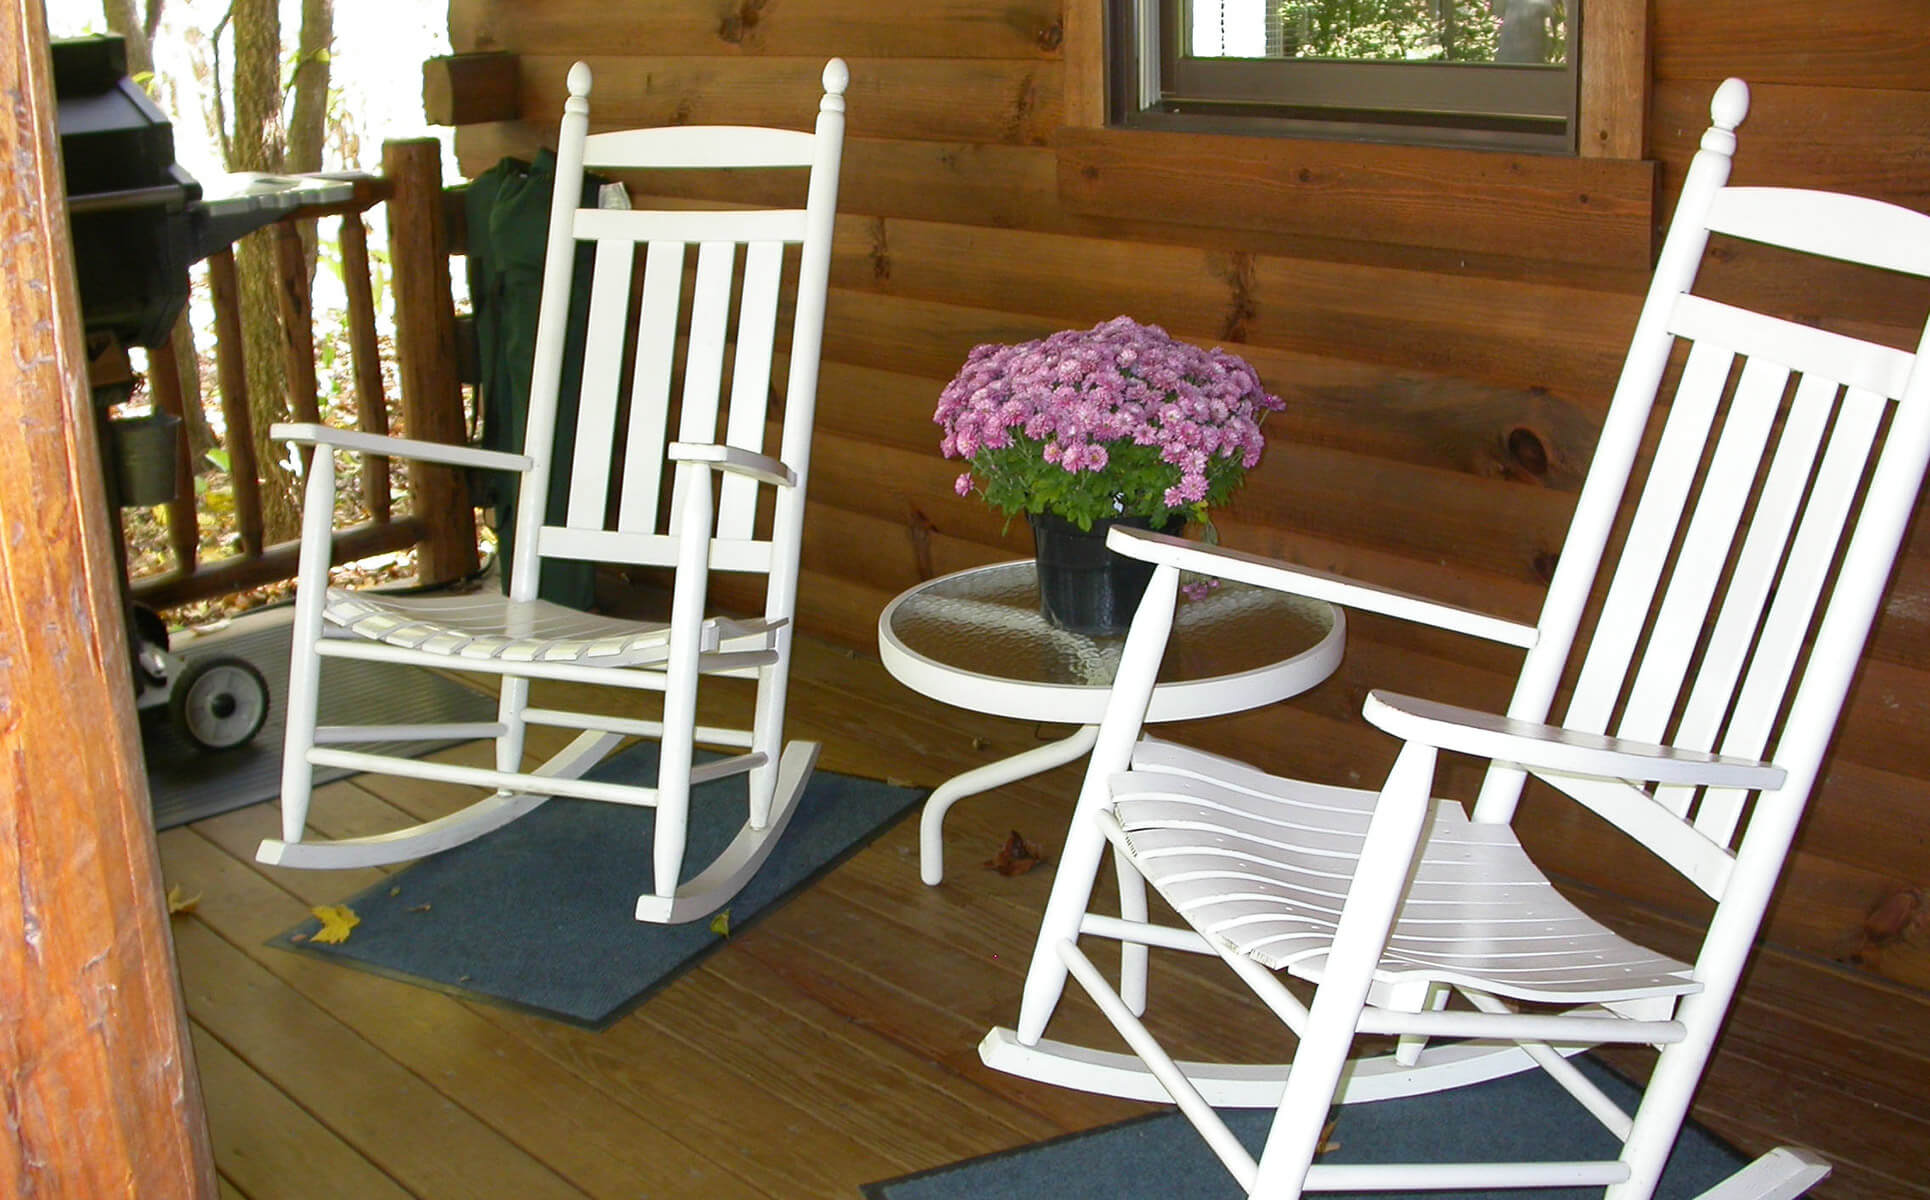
(523, 638)
(1700, 711)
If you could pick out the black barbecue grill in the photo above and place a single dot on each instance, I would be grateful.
(138, 223)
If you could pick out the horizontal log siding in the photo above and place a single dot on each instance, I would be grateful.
(1443, 400)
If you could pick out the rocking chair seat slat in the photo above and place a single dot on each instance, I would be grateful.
(1266, 872)
(486, 626)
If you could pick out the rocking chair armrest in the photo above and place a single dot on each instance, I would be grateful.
(1264, 572)
(736, 460)
(1561, 751)
(308, 433)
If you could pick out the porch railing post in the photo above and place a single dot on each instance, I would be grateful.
(425, 337)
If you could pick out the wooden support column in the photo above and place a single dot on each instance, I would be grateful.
(425, 342)
(95, 1065)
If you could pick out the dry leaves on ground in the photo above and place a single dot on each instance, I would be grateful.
(1016, 856)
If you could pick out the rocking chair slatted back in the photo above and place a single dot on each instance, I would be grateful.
(711, 287)
(1764, 473)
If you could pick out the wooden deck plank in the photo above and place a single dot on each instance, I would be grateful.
(716, 1089)
(267, 1146)
(782, 1043)
(599, 1144)
(404, 1125)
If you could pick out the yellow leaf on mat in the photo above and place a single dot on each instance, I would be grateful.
(720, 924)
(337, 920)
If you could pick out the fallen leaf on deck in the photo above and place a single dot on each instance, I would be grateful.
(177, 903)
(337, 920)
(720, 924)
(1326, 1131)
(1016, 856)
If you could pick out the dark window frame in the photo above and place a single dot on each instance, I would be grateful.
(1534, 109)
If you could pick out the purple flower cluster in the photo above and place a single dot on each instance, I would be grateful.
(1083, 395)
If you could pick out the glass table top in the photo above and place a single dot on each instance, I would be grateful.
(961, 637)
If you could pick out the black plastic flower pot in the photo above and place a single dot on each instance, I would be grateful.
(1084, 587)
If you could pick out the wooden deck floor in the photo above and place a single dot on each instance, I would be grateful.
(832, 1043)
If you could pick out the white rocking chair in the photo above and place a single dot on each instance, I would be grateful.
(1700, 712)
(523, 638)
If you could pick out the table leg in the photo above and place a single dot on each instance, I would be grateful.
(1024, 765)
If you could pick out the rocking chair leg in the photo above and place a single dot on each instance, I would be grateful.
(1072, 884)
(767, 732)
(1665, 1105)
(1393, 835)
(1132, 955)
(305, 664)
(509, 712)
(297, 777)
(1112, 751)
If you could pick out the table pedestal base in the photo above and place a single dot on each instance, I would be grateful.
(1024, 765)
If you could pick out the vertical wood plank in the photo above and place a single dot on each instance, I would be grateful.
(184, 531)
(231, 372)
(371, 405)
(1615, 74)
(425, 328)
(95, 1062)
(1084, 24)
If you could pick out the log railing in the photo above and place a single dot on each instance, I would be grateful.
(440, 524)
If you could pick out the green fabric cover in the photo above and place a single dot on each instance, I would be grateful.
(508, 210)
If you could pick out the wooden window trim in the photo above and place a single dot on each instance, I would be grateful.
(1594, 207)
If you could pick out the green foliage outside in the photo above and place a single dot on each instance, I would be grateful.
(1413, 30)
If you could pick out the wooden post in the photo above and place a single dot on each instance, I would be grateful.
(184, 526)
(425, 343)
(371, 406)
(95, 1063)
(231, 368)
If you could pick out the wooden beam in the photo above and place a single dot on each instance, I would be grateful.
(1614, 103)
(102, 1098)
(226, 576)
(425, 339)
(469, 89)
(908, 29)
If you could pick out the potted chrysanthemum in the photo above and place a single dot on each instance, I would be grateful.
(1085, 429)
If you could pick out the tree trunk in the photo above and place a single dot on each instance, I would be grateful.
(256, 144)
(308, 122)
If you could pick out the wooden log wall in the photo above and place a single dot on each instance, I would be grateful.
(1443, 399)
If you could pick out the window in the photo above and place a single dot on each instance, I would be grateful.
(1483, 73)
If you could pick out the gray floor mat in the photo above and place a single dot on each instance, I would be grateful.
(187, 784)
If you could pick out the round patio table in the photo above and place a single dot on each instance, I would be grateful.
(975, 639)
